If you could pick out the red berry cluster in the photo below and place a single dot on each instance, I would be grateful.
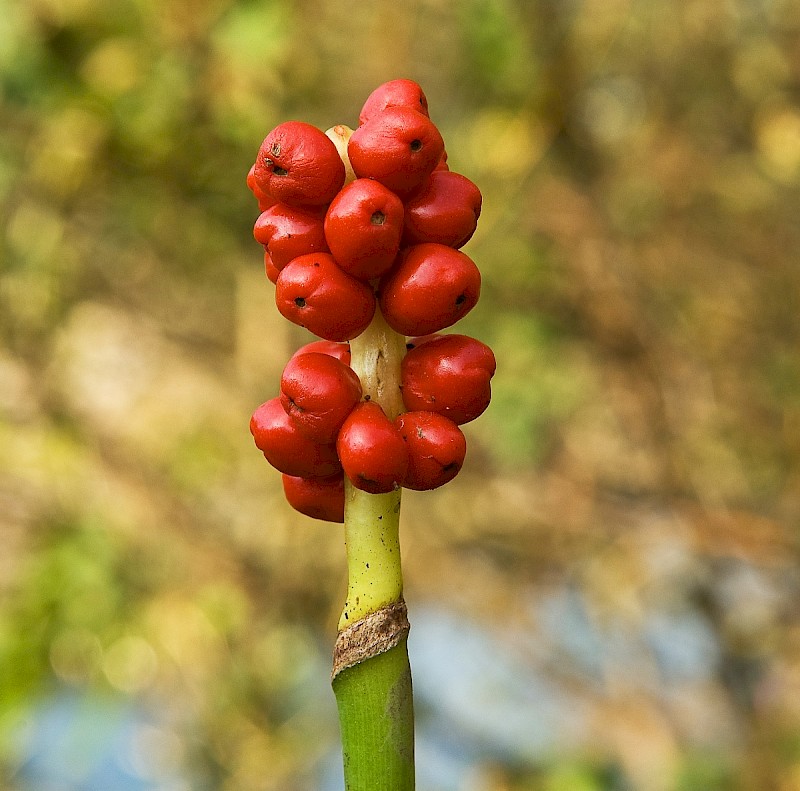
(336, 248)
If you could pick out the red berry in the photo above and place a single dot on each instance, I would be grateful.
(318, 392)
(288, 232)
(448, 374)
(431, 287)
(436, 449)
(264, 200)
(319, 498)
(270, 268)
(286, 449)
(341, 351)
(398, 147)
(395, 93)
(316, 294)
(371, 450)
(299, 165)
(363, 227)
(444, 210)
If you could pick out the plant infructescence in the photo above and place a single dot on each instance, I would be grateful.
(362, 233)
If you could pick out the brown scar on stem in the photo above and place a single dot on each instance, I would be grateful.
(370, 636)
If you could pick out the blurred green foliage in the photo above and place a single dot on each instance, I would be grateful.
(640, 165)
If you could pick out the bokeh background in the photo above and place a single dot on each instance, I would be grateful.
(607, 597)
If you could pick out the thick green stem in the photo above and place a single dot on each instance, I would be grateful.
(377, 719)
(371, 675)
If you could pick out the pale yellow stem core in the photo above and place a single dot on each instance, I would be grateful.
(372, 521)
(340, 134)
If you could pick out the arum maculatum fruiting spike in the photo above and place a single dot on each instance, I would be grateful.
(363, 226)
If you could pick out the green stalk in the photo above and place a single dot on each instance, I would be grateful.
(371, 674)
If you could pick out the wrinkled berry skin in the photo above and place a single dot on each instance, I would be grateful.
(436, 449)
(299, 165)
(318, 392)
(448, 374)
(371, 450)
(286, 449)
(313, 292)
(444, 210)
(395, 93)
(341, 351)
(319, 498)
(288, 232)
(363, 227)
(398, 147)
(430, 288)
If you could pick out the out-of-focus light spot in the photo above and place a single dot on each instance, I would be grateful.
(62, 154)
(130, 664)
(759, 67)
(108, 365)
(27, 299)
(611, 111)
(155, 752)
(34, 231)
(75, 655)
(505, 143)
(114, 67)
(187, 635)
(778, 141)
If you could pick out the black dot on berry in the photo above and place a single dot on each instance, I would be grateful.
(461, 299)
(300, 302)
(416, 144)
(280, 171)
(449, 467)
(378, 218)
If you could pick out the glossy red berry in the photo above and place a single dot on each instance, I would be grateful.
(398, 147)
(431, 287)
(286, 448)
(264, 200)
(269, 268)
(371, 450)
(319, 498)
(288, 232)
(363, 227)
(341, 351)
(299, 165)
(313, 292)
(448, 374)
(444, 210)
(436, 449)
(318, 392)
(395, 93)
